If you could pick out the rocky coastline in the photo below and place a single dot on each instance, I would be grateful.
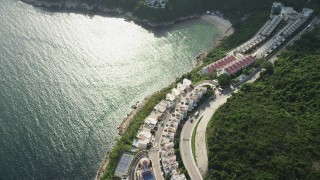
(75, 6)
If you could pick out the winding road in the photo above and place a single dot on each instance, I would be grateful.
(205, 111)
(200, 138)
(197, 171)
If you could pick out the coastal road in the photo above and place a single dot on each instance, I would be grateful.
(185, 143)
(206, 111)
(200, 138)
(186, 151)
(154, 151)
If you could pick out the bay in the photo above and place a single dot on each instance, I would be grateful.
(67, 80)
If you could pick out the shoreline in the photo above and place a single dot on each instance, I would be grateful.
(224, 26)
(127, 120)
(83, 8)
(226, 30)
(95, 9)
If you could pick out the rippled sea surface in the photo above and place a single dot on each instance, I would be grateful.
(67, 80)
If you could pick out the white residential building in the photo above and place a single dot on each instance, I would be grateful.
(142, 141)
(187, 102)
(169, 161)
(171, 126)
(181, 109)
(170, 97)
(167, 137)
(182, 88)
(176, 92)
(178, 176)
(182, 101)
(177, 117)
(161, 107)
(159, 110)
(195, 99)
(187, 83)
(150, 123)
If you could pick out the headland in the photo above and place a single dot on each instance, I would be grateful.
(225, 30)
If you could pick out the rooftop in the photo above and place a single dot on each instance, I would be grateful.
(123, 165)
(187, 82)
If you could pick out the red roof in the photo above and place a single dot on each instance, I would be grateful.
(210, 70)
(220, 63)
(238, 65)
(231, 64)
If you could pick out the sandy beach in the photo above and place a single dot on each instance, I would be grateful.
(224, 25)
(225, 28)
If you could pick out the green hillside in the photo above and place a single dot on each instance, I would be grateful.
(232, 9)
(271, 128)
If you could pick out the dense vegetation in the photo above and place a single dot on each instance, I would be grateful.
(235, 9)
(245, 29)
(271, 128)
(174, 9)
(224, 80)
(231, 9)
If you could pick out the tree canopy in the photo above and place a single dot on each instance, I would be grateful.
(174, 9)
(271, 128)
(224, 80)
(268, 66)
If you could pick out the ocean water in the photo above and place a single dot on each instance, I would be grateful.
(67, 80)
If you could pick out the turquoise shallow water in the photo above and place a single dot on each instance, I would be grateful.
(67, 80)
